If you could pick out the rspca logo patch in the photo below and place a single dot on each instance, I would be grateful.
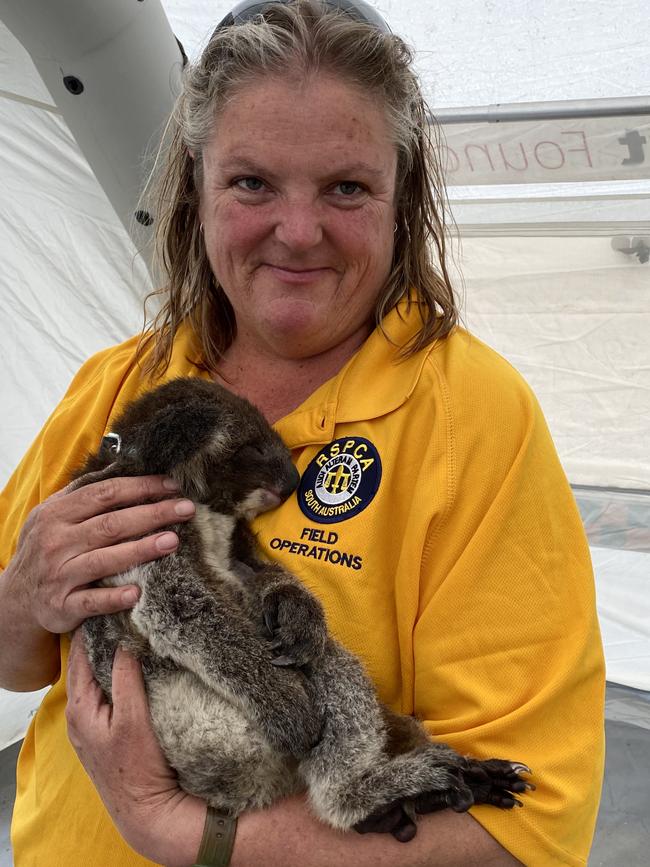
(340, 481)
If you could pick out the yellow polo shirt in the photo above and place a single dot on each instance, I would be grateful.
(436, 525)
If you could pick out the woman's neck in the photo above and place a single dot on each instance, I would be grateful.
(278, 385)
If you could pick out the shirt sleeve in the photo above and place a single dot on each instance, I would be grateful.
(69, 434)
(507, 654)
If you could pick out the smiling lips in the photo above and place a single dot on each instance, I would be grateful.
(297, 275)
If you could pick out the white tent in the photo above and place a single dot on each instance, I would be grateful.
(543, 264)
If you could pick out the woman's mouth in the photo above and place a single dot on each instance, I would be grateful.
(297, 275)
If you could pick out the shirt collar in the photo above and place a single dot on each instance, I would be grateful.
(375, 381)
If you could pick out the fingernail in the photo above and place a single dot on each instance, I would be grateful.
(167, 542)
(183, 508)
(130, 597)
(170, 485)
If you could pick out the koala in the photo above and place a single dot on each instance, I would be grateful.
(250, 697)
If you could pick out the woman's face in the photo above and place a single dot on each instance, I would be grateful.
(298, 210)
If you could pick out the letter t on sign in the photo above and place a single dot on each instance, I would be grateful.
(634, 141)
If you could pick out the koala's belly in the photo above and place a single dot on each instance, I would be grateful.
(218, 754)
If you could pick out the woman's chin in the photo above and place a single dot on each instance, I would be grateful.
(295, 322)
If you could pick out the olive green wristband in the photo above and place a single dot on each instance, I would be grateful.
(217, 841)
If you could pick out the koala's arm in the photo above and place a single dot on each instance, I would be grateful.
(214, 638)
(283, 608)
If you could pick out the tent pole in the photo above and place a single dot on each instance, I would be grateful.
(527, 111)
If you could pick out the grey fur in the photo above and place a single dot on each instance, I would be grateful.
(250, 697)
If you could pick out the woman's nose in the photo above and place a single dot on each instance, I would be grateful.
(299, 226)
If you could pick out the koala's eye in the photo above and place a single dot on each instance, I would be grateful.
(249, 452)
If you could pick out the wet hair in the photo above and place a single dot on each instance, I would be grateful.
(300, 38)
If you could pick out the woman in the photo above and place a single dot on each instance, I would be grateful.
(297, 215)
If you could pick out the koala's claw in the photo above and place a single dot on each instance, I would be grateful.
(271, 623)
(284, 661)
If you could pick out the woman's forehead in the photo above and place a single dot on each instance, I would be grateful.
(323, 118)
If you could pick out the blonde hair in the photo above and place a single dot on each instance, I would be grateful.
(304, 36)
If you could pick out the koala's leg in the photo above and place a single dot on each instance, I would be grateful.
(215, 639)
(491, 781)
(376, 773)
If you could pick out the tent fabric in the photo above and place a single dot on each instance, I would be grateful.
(623, 593)
(573, 315)
(541, 280)
(477, 52)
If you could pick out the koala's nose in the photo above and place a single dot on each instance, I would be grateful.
(290, 482)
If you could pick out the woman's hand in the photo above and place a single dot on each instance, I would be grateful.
(75, 537)
(80, 534)
(119, 750)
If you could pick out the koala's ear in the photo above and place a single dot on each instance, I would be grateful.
(109, 448)
(175, 435)
(100, 464)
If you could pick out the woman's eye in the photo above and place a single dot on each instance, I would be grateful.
(348, 188)
(251, 185)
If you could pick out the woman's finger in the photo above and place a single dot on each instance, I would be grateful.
(90, 602)
(130, 705)
(129, 523)
(79, 675)
(116, 559)
(85, 698)
(104, 496)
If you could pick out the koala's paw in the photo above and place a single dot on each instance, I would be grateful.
(397, 819)
(456, 795)
(496, 782)
(295, 623)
